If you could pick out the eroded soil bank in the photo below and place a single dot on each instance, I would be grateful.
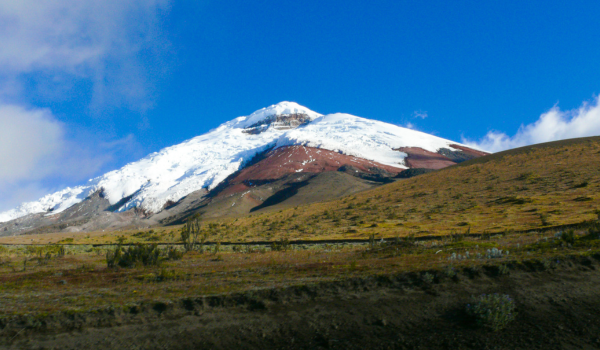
(558, 308)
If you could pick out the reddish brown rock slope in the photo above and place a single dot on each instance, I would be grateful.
(293, 159)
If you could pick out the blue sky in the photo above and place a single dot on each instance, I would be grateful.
(86, 87)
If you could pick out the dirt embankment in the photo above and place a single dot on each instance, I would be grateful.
(558, 308)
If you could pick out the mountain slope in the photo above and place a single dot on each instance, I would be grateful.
(530, 189)
(202, 163)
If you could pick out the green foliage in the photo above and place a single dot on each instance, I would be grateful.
(568, 236)
(113, 257)
(544, 219)
(457, 237)
(503, 269)
(192, 235)
(493, 311)
(372, 242)
(140, 254)
(428, 278)
(450, 272)
(173, 254)
(61, 251)
(280, 245)
(529, 177)
(147, 255)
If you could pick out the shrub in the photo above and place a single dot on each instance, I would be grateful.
(494, 253)
(544, 219)
(113, 257)
(428, 278)
(568, 236)
(173, 254)
(60, 251)
(147, 255)
(280, 245)
(191, 235)
(503, 269)
(493, 311)
(450, 272)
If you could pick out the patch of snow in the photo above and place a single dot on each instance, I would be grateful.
(363, 138)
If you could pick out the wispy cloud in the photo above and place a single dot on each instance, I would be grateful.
(28, 139)
(552, 125)
(102, 41)
(409, 125)
(420, 114)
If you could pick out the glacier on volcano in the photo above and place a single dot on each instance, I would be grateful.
(206, 160)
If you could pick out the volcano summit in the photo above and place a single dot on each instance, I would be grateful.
(284, 146)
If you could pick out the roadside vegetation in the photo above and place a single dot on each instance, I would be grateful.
(86, 278)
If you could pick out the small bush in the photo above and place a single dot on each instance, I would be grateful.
(544, 219)
(428, 278)
(113, 257)
(494, 253)
(493, 311)
(280, 245)
(147, 255)
(60, 251)
(154, 238)
(173, 254)
(568, 236)
(450, 272)
(503, 269)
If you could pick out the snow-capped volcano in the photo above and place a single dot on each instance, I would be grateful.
(206, 160)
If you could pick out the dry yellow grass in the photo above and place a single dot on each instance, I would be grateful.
(537, 189)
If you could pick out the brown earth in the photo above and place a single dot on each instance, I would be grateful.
(420, 158)
(470, 151)
(558, 308)
(294, 159)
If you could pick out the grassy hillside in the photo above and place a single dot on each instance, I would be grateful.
(531, 188)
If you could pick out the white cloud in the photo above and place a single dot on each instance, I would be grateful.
(35, 155)
(30, 140)
(97, 40)
(420, 114)
(552, 125)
